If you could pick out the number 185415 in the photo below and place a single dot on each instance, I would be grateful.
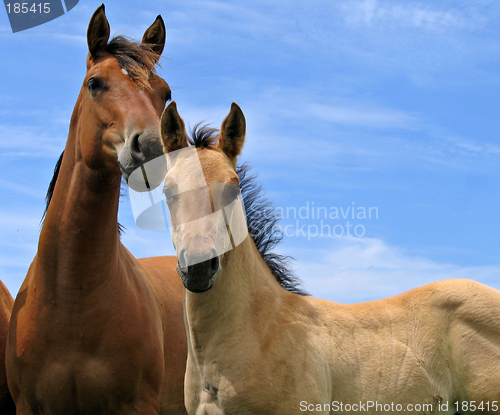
(26, 8)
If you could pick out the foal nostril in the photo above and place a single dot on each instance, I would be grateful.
(182, 258)
(199, 273)
(214, 265)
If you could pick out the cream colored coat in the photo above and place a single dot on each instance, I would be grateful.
(255, 348)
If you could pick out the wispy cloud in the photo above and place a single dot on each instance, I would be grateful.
(363, 117)
(390, 14)
(72, 39)
(18, 244)
(23, 189)
(20, 141)
(350, 133)
(20, 220)
(359, 269)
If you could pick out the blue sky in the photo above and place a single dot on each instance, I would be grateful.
(376, 103)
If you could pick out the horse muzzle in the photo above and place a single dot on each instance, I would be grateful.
(142, 162)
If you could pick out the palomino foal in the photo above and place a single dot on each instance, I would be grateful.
(93, 330)
(256, 348)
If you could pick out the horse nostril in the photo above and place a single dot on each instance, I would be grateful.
(135, 145)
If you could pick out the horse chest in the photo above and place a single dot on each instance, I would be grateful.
(68, 372)
(79, 387)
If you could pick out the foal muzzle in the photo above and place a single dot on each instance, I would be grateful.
(201, 276)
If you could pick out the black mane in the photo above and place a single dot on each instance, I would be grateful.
(202, 136)
(52, 185)
(262, 225)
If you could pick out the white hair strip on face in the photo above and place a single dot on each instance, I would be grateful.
(221, 239)
(191, 167)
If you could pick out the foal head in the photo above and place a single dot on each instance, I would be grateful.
(119, 107)
(202, 191)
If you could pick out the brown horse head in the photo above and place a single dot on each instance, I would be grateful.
(203, 196)
(121, 100)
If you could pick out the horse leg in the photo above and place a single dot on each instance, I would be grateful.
(22, 408)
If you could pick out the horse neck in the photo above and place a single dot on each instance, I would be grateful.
(79, 240)
(245, 293)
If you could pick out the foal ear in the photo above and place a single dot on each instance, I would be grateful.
(155, 36)
(173, 131)
(98, 32)
(232, 133)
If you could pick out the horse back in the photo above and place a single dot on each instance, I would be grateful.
(446, 336)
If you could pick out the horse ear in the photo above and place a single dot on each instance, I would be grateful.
(173, 131)
(155, 36)
(98, 32)
(232, 133)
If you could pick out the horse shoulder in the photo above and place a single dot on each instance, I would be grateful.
(168, 291)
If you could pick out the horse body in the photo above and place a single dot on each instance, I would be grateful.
(6, 302)
(93, 330)
(115, 348)
(256, 348)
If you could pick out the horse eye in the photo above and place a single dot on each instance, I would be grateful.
(95, 84)
(168, 97)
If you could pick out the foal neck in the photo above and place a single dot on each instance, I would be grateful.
(245, 293)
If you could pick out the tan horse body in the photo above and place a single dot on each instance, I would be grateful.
(93, 330)
(256, 348)
(6, 302)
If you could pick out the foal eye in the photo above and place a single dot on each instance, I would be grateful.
(168, 192)
(95, 84)
(231, 192)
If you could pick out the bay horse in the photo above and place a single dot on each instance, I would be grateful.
(6, 302)
(93, 330)
(257, 346)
